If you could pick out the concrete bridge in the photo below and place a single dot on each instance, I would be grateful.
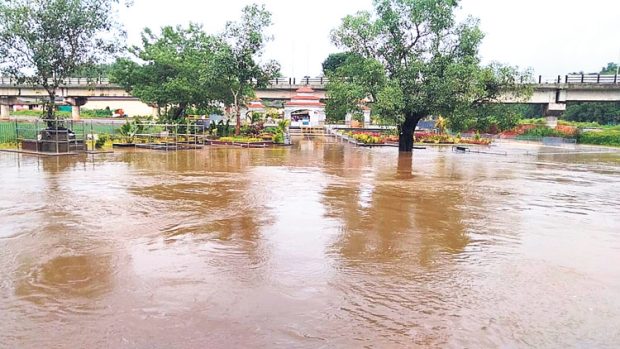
(554, 93)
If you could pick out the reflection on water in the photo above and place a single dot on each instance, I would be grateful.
(317, 245)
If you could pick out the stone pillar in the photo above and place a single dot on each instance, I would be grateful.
(76, 103)
(552, 121)
(75, 112)
(5, 106)
(552, 112)
(5, 111)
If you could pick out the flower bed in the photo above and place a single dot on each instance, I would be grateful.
(481, 141)
(436, 139)
(240, 139)
(370, 138)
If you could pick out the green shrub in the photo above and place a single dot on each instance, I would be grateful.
(101, 141)
(607, 137)
(543, 131)
(278, 137)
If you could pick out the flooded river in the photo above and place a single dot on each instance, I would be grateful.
(319, 245)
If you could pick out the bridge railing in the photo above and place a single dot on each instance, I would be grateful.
(322, 81)
(579, 79)
(298, 81)
(77, 81)
(540, 80)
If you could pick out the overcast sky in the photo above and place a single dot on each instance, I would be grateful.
(550, 36)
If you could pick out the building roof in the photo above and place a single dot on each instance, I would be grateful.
(304, 104)
(305, 89)
(256, 104)
(305, 97)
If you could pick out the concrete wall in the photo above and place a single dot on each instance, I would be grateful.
(132, 107)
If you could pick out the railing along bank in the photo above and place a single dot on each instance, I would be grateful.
(322, 81)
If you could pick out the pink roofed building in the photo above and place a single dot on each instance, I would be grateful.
(305, 109)
(256, 105)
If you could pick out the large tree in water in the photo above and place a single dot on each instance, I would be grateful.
(44, 42)
(429, 62)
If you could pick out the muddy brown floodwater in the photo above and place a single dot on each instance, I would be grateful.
(320, 245)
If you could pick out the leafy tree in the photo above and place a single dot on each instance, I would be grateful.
(430, 62)
(236, 65)
(350, 82)
(176, 71)
(335, 60)
(43, 42)
(611, 68)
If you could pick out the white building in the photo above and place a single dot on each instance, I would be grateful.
(305, 109)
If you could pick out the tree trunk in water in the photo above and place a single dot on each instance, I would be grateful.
(407, 128)
(405, 165)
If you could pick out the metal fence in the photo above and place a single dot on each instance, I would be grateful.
(13, 131)
(78, 81)
(558, 141)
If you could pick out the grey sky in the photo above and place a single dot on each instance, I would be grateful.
(550, 36)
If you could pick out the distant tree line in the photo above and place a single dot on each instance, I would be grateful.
(602, 112)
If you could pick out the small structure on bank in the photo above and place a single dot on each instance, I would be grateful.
(59, 137)
(255, 106)
(350, 122)
(305, 109)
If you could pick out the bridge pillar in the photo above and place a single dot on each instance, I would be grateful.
(5, 106)
(5, 111)
(552, 112)
(76, 104)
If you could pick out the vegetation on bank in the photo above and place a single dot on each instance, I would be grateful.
(388, 137)
(608, 137)
(179, 68)
(45, 42)
(583, 132)
(411, 59)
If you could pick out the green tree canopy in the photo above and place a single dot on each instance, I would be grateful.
(175, 72)
(602, 112)
(43, 42)
(237, 65)
(430, 63)
(352, 81)
(185, 68)
(335, 60)
(611, 68)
